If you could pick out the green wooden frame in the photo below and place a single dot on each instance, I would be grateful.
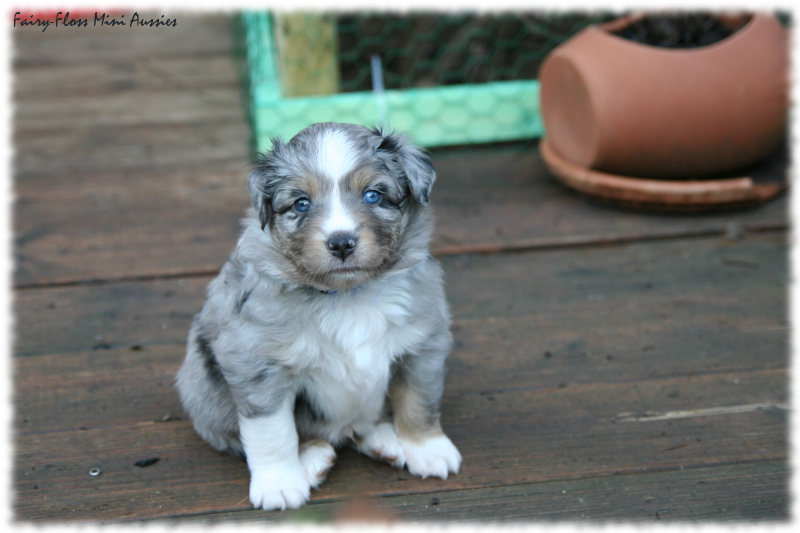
(439, 116)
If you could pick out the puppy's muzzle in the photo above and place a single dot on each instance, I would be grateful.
(342, 244)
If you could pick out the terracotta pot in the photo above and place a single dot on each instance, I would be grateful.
(617, 106)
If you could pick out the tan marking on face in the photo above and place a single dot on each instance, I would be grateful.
(368, 249)
(312, 185)
(360, 179)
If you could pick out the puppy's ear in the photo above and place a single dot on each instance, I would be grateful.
(408, 162)
(263, 180)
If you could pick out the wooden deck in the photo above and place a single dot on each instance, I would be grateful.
(616, 365)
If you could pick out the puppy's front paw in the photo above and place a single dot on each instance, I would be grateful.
(281, 486)
(435, 456)
(382, 443)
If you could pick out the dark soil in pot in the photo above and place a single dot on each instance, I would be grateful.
(677, 31)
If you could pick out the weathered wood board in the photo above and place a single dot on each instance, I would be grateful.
(512, 438)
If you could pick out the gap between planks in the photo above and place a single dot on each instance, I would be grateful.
(531, 245)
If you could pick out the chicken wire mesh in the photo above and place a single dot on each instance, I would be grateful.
(429, 50)
(443, 78)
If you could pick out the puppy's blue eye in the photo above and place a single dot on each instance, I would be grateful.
(302, 205)
(372, 197)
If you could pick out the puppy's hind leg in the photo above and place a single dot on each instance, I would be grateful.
(206, 396)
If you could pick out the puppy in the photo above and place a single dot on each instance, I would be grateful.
(328, 325)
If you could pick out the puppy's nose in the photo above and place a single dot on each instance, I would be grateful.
(342, 244)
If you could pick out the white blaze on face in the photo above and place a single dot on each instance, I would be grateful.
(335, 159)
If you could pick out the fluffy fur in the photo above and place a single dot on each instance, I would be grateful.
(328, 325)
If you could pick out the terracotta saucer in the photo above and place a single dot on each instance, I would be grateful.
(673, 195)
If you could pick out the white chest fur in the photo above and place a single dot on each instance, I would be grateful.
(348, 346)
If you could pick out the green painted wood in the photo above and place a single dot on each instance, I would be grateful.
(439, 116)
(261, 56)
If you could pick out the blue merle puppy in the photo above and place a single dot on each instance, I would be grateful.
(328, 325)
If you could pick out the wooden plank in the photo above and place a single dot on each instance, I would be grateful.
(731, 493)
(157, 222)
(572, 349)
(650, 294)
(511, 439)
(118, 315)
(609, 277)
(151, 226)
(176, 90)
(519, 203)
(90, 158)
(129, 109)
(131, 74)
(502, 197)
(97, 388)
(93, 388)
(195, 35)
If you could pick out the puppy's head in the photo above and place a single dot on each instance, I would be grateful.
(343, 203)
